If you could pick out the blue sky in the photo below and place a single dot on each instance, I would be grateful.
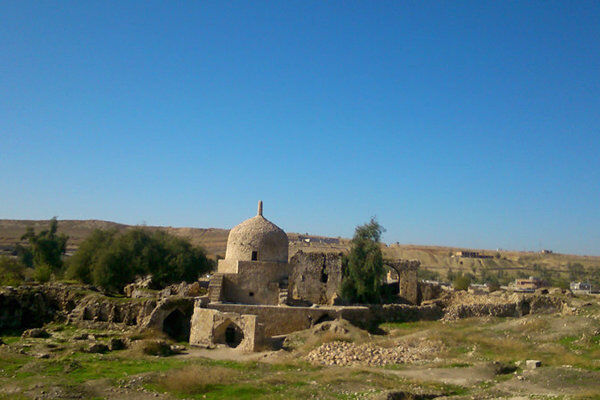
(473, 124)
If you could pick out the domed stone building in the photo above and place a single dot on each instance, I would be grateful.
(248, 302)
(255, 269)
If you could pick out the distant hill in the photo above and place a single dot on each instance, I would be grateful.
(214, 241)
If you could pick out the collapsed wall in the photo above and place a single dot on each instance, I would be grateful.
(32, 306)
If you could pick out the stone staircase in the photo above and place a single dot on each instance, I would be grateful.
(283, 292)
(283, 296)
(215, 288)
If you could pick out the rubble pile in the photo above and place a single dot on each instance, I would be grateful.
(347, 353)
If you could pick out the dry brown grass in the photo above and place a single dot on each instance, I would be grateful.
(198, 379)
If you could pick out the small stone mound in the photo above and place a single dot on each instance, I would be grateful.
(345, 353)
(35, 333)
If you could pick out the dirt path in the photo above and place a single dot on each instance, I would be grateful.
(466, 376)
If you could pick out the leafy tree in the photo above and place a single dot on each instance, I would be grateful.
(80, 265)
(111, 260)
(46, 248)
(363, 267)
(24, 255)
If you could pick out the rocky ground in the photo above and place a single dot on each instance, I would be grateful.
(475, 352)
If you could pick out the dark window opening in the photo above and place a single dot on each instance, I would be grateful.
(254, 255)
(324, 276)
(251, 294)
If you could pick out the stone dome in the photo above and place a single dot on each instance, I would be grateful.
(257, 239)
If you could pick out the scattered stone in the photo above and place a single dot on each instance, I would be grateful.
(97, 348)
(533, 364)
(35, 333)
(43, 355)
(177, 349)
(345, 353)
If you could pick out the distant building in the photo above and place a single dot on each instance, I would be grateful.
(546, 251)
(528, 285)
(470, 254)
(581, 287)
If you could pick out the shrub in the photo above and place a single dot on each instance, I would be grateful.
(12, 273)
(42, 273)
(111, 260)
(461, 282)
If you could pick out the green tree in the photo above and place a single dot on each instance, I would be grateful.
(46, 248)
(12, 272)
(111, 260)
(363, 267)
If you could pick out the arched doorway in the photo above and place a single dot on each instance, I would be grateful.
(177, 326)
(229, 334)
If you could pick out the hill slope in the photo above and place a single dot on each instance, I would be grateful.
(214, 240)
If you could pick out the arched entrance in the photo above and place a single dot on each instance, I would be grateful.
(177, 326)
(229, 334)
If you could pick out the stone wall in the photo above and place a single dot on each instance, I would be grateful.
(284, 320)
(315, 277)
(428, 291)
(407, 279)
(212, 327)
(255, 283)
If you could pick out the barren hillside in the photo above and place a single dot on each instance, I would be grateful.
(214, 240)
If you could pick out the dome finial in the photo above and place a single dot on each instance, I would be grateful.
(260, 208)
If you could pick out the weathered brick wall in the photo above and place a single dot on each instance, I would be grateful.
(315, 277)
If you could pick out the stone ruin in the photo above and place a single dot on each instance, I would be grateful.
(256, 293)
(406, 274)
(315, 277)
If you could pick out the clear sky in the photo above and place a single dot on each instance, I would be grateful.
(472, 124)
